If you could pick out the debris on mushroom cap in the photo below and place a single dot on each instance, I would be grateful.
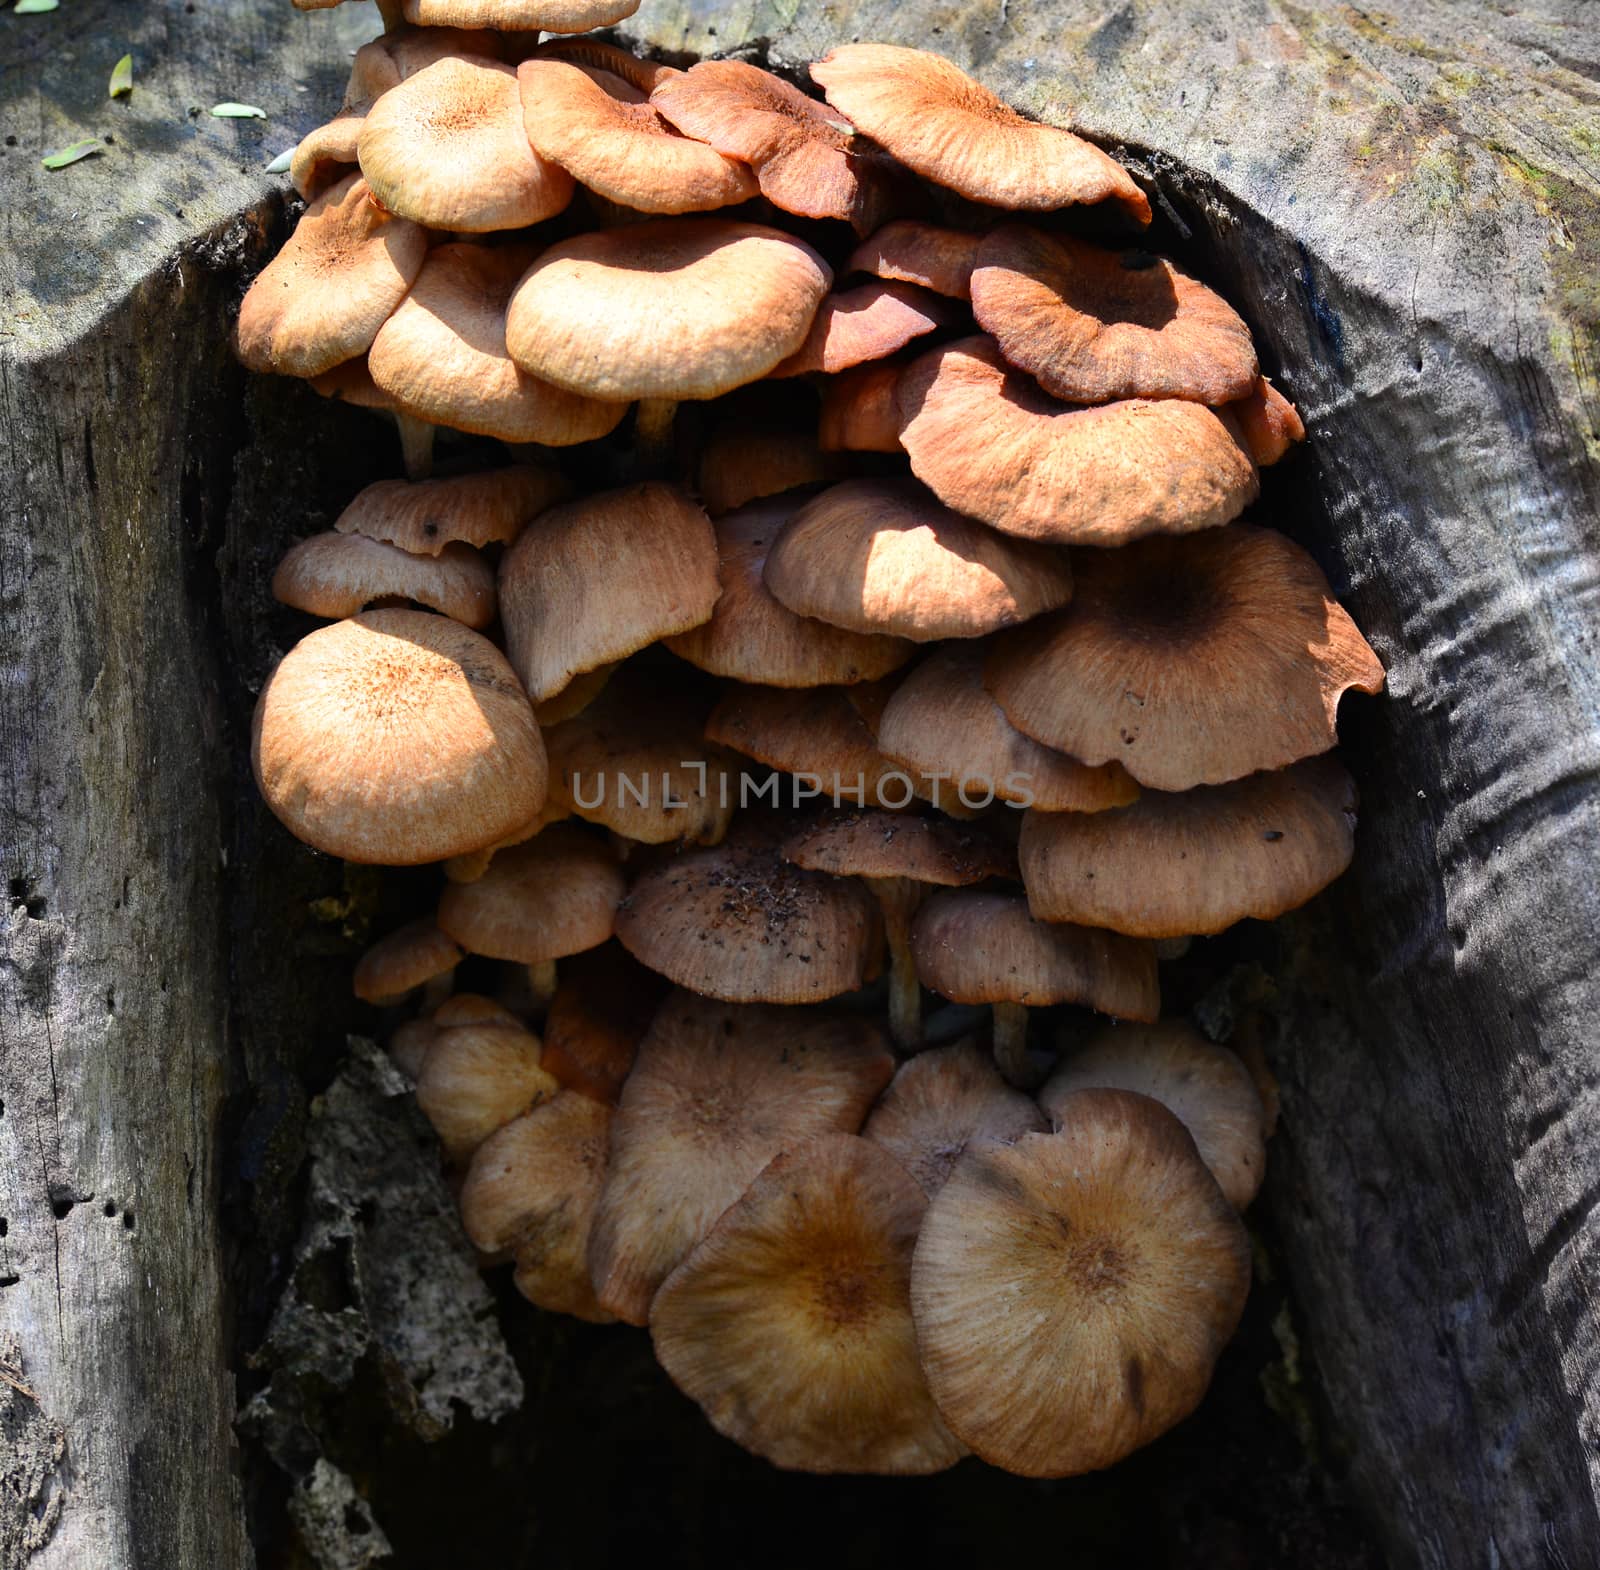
(938, 1103)
(547, 16)
(1072, 1291)
(670, 308)
(397, 737)
(601, 1010)
(1196, 861)
(737, 922)
(933, 117)
(446, 147)
(1091, 324)
(1189, 661)
(877, 844)
(858, 410)
(988, 442)
(942, 718)
(595, 580)
(790, 1324)
(870, 322)
(476, 1078)
(553, 896)
(387, 61)
(1269, 424)
(916, 252)
(753, 637)
(743, 461)
(338, 278)
(325, 155)
(1203, 1085)
(442, 355)
(479, 509)
(717, 1091)
(884, 556)
(403, 959)
(531, 1190)
(337, 575)
(602, 131)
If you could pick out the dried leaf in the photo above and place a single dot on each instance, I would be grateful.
(70, 155)
(238, 112)
(280, 164)
(122, 77)
(33, 7)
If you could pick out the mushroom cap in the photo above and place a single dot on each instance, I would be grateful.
(397, 737)
(1196, 861)
(739, 923)
(884, 556)
(1189, 661)
(753, 637)
(325, 155)
(869, 322)
(942, 717)
(717, 1091)
(597, 579)
(446, 147)
(442, 355)
(985, 948)
(743, 461)
(554, 895)
(1091, 324)
(424, 516)
(472, 866)
(386, 61)
(1203, 1085)
(476, 1078)
(1072, 1291)
(1269, 424)
(876, 844)
(531, 1190)
(922, 253)
(403, 959)
(576, 696)
(672, 308)
(594, 126)
(859, 413)
(351, 382)
(409, 1043)
(939, 1102)
(933, 117)
(323, 297)
(546, 16)
(335, 575)
(608, 61)
(990, 444)
(790, 1324)
(604, 1002)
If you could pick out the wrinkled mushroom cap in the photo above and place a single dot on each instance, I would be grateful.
(325, 155)
(477, 1078)
(397, 737)
(922, 253)
(878, 844)
(403, 959)
(336, 575)
(424, 516)
(859, 412)
(547, 16)
(867, 323)
(1072, 1291)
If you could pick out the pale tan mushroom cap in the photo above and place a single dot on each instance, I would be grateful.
(351, 382)
(325, 155)
(987, 442)
(866, 323)
(791, 1324)
(422, 517)
(477, 1078)
(933, 117)
(1268, 422)
(717, 1091)
(878, 844)
(446, 148)
(859, 413)
(323, 297)
(389, 59)
(1203, 1085)
(403, 959)
(1073, 1291)
(1189, 661)
(1197, 861)
(336, 575)
(674, 308)
(922, 253)
(546, 16)
(884, 556)
(397, 737)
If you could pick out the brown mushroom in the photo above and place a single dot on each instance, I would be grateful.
(478, 509)
(599, 1014)
(859, 412)
(1269, 424)
(922, 253)
(548, 16)
(744, 461)
(336, 575)
(867, 323)
(477, 1078)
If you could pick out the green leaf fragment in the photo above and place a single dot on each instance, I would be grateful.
(238, 112)
(70, 155)
(33, 7)
(122, 77)
(280, 164)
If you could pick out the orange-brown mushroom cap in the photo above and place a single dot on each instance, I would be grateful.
(790, 1324)
(403, 959)
(547, 16)
(477, 1078)
(989, 443)
(424, 516)
(1268, 422)
(743, 461)
(337, 575)
(859, 413)
(325, 155)
(875, 844)
(1188, 661)
(923, 253)
(386, 61)
(869, 322)
(603, 1005)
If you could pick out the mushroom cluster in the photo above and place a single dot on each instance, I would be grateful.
(912, 643)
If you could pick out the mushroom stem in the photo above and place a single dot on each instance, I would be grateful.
(1011, 1044)
(652, 430)
(392, 14)
(542, 979)
(437, 988)
(416, 445)
(899, 898)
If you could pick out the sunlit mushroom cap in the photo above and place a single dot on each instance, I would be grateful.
(922, 253)
(595, 580)
(555, 895)
(790, 1324)
(447, 148)
(442, 355)
(942, 718)
(933, 117)
(1091, 324)
(866, 323)
(597, 128)
(603, 1006)
(323, 297)
(424, 516)
(1195, 861)
(716, 1092)
(673, 308)
(1268, 422)
(1072, 1291)
(325, 155)
(477, 1078)
(938, 1103)
(1203, 1085)
(884, 556)
(743, 461)
(988, 442)
(337, 575)
(403, 959)
(859, 413)
(752, 637)
(531, 1191)
(1189, 661)
(738, 922)
(878, 844)
(985, 948)
(546, 16)
(599, 58)
(397, 737)
(389, 59)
